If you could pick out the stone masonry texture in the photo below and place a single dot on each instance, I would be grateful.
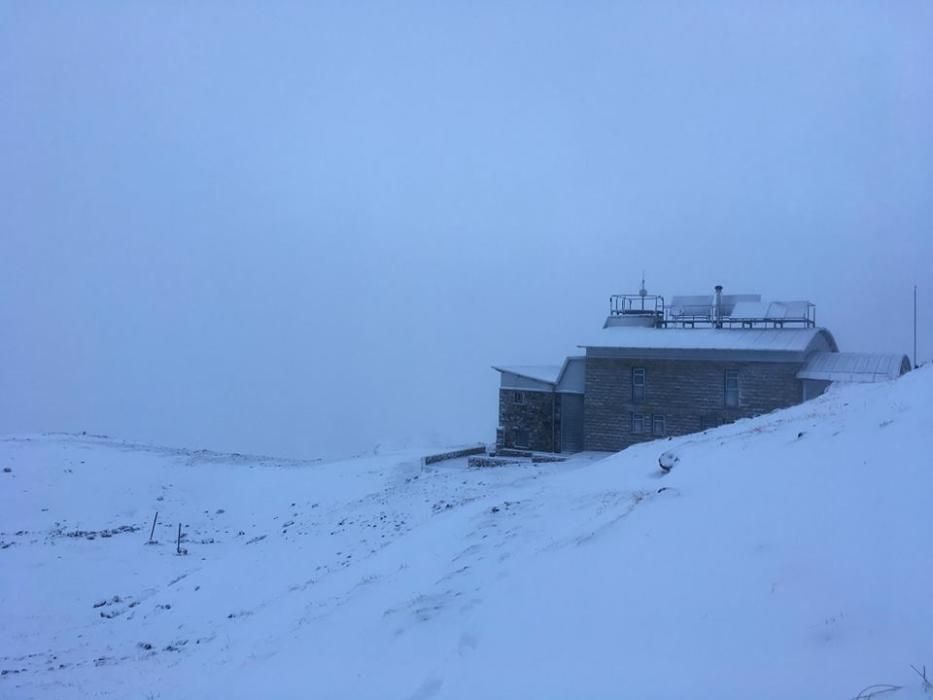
(539, 414)
(688, 393)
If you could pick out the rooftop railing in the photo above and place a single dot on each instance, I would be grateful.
(738, 311)
(637, 305)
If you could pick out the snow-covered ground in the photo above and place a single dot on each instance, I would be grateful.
(789, 556)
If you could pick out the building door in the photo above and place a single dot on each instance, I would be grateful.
(571, 422)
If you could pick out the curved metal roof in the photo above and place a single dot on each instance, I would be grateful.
(784, 340)
(854, 367)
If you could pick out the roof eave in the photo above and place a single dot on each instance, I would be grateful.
(526, 376)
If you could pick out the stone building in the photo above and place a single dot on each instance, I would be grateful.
(656, 370)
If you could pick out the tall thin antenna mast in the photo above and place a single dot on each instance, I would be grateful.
(915, 328)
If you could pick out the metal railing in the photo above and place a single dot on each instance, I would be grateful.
(637, 305)
(706, 315)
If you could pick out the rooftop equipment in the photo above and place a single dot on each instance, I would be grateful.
(716, 310)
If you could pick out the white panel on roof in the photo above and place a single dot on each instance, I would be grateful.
(788, 309)
(771, 311)
(691, 305)
(730, 301)
(750, 310)
(738, 298)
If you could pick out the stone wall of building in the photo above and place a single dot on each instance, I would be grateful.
(690, 395)
(537, 412)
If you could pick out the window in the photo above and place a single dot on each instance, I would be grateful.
(731, 391)
(518, 397)
(638, 384)
(638, 423)
(519, 437)
(658, 426)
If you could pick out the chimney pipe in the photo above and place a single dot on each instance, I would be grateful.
(717, 306)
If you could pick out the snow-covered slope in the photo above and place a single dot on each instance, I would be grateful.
(787, 556)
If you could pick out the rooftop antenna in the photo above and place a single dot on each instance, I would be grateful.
(642, 292)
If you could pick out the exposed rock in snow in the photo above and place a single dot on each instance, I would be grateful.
(667, 460)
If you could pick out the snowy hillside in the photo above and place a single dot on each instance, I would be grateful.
(783, 557)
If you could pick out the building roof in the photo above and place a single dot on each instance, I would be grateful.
(853, 367)
(568, 377)
(786, 340)
(541, 373)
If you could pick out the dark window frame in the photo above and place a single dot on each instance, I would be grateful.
(658, 420)
(638, 419)
(518, 397)
(730, 388)
(639, 384)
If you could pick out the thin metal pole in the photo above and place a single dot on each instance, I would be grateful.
(915, 328)
(152, 531)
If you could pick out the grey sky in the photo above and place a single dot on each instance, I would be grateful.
(307, 228)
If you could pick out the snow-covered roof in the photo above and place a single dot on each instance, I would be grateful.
(797, 340)
(542, 373)
(854, 367)
(568, 377)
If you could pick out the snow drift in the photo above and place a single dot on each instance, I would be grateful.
(784, 557)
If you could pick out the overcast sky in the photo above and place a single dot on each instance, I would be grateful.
(309, 228)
